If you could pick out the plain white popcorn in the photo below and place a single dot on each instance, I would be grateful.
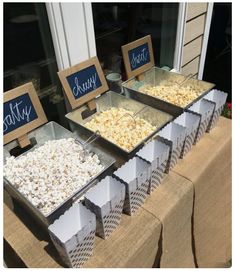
(51, 173)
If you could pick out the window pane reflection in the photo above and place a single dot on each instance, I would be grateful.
(119, 23)
(29, 56)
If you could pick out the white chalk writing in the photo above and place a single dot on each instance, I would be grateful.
(89, 84)
(16, 114)
(140, 58)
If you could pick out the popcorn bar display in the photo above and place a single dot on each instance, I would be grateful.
(51, 173)
(173, 93)
(120, 127)
(73, 235)
(106, 200)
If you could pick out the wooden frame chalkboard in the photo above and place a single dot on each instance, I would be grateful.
(20, 121)
(144, 43)
(81, 72)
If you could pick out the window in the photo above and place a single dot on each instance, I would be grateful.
(116, 24)
(29, 56)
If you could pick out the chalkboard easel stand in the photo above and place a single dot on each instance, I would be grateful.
(140, 77)
(23, 141)
(91, 105)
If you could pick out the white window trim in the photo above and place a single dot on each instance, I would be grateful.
(179, 37)
(178, 58)
(90, 29)
(58, 34)
(72, 31)
(205, 40)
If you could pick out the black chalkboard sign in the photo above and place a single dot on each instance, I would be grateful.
(18, 112)
(138, 56)
(22, 112)
(83, 82)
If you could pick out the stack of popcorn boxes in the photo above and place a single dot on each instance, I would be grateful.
(219, 98)
(73, 235)
(106, 201)
(136, 177)
(191, 122)
(205, 108)
(156, 154)
(174, 136)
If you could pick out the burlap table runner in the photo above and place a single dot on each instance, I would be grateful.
(130, 245)
(172, 204)
(208, 166)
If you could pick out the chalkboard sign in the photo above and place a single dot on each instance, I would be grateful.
(83, 82)
(138, 56)
(22, 112)
(18, 112)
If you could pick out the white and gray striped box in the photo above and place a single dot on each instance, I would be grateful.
(73, 235)
(218, 97)
(191, 121)
(156, 154)
(135, 175)
(205, 108)
(173, 135)
(106, 201)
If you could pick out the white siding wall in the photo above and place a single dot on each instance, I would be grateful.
(195, 22)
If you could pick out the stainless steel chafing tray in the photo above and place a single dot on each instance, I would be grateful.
(52, 131)
(111, 99)
(155, 76)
